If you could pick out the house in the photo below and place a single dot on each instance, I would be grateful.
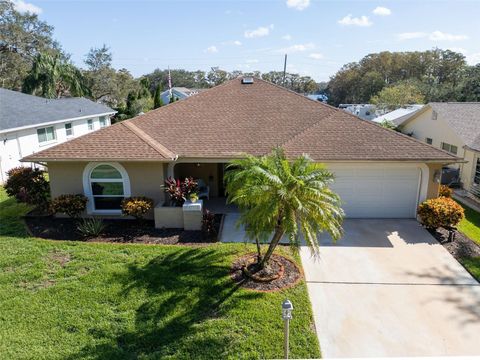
(455, 128)
(179, 93)
(379, 173)
(363, 111)
(30, 123)
(397, 116)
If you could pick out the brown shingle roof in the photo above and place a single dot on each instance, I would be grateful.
(235, 118)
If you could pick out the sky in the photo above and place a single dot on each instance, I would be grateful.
(319, 36)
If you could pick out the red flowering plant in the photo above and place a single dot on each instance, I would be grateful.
(179, 191)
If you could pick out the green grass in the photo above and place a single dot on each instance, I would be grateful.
(470, 226)
(71, 300)
(472, 265)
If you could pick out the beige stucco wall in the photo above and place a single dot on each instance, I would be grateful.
(433, 186)
(146, 178)
(467, 172)
(438, 130)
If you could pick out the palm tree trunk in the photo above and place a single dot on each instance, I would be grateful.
(259, 252)
(277, 236)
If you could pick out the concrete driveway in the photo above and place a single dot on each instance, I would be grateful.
(387, 288)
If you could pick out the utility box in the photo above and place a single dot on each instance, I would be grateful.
(192, 215)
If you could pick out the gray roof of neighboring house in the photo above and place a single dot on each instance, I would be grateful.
(463, 118)
(399, 115)
(19, 110)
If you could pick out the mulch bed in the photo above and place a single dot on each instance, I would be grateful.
(461, 247)
(116, 231)
(283, 274)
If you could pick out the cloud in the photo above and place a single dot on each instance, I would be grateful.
(298, 48)
(316, 56)
(382, 11)
(259, 32)
(233, 42)
(211, 49)
(473, 59)
(433, 36)
(251, 61)
(298, 4)
(441, 36)
(24, 7)
(411, 35)
(355, 21)
(287, 37)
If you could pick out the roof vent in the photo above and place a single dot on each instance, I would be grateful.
(247, 80)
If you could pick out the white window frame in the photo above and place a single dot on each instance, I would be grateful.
(449, 148)
(104, 120)
(90, 125)
(66, 130)
(47, 142)
(87, 187)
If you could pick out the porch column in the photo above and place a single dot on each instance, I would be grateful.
(170, 167)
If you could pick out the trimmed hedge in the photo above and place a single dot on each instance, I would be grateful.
(137, 207)
(72, 205)
(440, 212)
(445, 191)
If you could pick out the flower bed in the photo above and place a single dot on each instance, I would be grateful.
(116, 231)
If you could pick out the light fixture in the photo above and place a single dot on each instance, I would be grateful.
(287, 308)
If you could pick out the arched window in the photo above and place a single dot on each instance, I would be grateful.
(105, 185)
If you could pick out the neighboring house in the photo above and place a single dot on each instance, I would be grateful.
(453, 127)
(399, 115)
(179, 93)
(30, 123)
(318, 97)
(363, 111)
(379, 173)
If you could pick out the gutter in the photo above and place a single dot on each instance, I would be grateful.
(55, 122)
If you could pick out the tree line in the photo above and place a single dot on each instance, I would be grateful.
(33, 62)
(406, 77)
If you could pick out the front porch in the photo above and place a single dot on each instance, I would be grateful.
(210, 176)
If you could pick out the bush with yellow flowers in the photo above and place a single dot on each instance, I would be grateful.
(137, 207)
(440, 212)
(445, 191)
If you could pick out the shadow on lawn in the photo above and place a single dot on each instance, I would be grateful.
(184, 290)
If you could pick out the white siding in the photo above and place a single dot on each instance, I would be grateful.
(18, 144)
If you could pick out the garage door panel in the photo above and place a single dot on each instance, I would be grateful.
(377, 192)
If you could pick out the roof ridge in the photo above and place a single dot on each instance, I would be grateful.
(162, 150)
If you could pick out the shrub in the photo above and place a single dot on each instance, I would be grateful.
(137, 206)
(208, 225)
(28, 185)
(72, 205)
(92, 227)
(179, 191)
(440, 212)
(445, 191)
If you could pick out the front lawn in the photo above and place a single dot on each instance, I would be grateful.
(470, 226)
(100, 301)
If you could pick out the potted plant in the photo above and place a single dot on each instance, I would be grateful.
(193, 197)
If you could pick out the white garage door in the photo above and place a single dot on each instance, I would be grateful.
(377, 192)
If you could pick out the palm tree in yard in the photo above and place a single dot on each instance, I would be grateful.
(53, 77)
(279, 197)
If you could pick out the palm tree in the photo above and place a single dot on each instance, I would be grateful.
(279, 197)
(53, 77)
